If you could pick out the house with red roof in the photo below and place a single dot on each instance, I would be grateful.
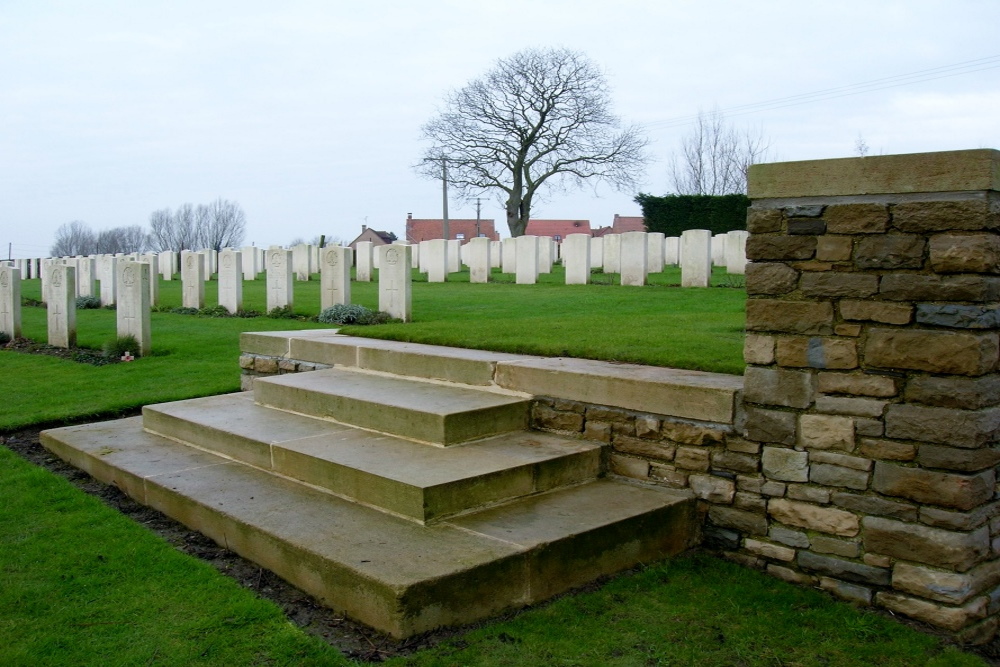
(622, 224)
(557, 229)
(426, 229)
(375, 237)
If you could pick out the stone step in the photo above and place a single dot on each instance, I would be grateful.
(436, 362)
(432, 412)
(411, 479)
(393, 574)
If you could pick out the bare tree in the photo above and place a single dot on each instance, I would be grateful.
(715, 157)
(73, 238)
(221, 224)
(131, 238)
(173, 230)
(539, 115)
(861, 148)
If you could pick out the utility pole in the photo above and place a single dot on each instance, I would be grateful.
(477, 217)
(444, 194)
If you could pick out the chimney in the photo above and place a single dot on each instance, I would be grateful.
(364, 227)
(409, 216)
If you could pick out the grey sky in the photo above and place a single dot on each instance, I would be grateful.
(308, 113)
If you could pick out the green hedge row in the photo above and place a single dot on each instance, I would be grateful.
(672, 214)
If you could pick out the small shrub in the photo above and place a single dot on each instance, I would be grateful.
(87, 302)
(215, 311)
(110, 306)
(4, 337)
(117, 347)
(184, 311)
(28, 301)
(350, 313)
(248, 313)
(281, 313)
(734, 280)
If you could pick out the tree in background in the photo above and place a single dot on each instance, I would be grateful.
(77, 238)
(539, 116)
(221, 224)
(714, 157)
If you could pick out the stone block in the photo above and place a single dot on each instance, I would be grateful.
(834, 248)
(785, 464)
(669, 475)
(958, 316)
(792, 538)
(890, 252)
(693, 458)
(845, 591)
(949, 618)
(945, 489)
(712, 489)
(926, 217)
(876, 560)
(770, 386)
(832, 475)
(946, 352)
(878, 386)
(873, 505)
(692, 434)
(952, 458)
(853, 330)
(246, 361)
(546, 417)
(748, 523)
(645, 448)
(771, 426)
(844, 405)
(838, 285)
(780, 247)
(647, 427)
(764, 220)
(750, 502)
(265, 365)
(770, 278)
(876, 311)
(737, 444)
(769, 550)
(736, 462)
(887, 449)
(843, 569)
(804, 211)
(856, 218)
(773, 488)
(844, 460)
(954, 392)
(806, 227)
(810, 494)
(627, 466)
(758, 349)
(818, 431)
(797, 317)
(831, 545)
(816, 352)
(789, 575)
(944, 426)
(916, 287)
(872, 428)
(813, 517)
(940, 518)
(958, 551)
(973, 253)
(594, 430)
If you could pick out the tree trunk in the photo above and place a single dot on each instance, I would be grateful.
(516, 223)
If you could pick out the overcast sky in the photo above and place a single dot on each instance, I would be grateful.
(308, 113)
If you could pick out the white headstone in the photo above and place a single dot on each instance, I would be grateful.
(420, 259)
(231, 280)
(107, 272)
(302, 261)
(363, 261)
(454, 255)
(133, 304)
(597, 253)
(508, 256)
(613, 253)
(334, 276)
(61, 303)
(496, 254)
(10, 301)
(86, 280)
(477, 252)
(576, 258)
(634, 247)
(719, 250)
(655, 248)
(436, 260)
(696, 258)
(207, 273)
(546, 248)
(168, 264)
(154, 276)
(395, 281)
(279, 278)
(736, 251)
(251, 263)
(527, 260)
(672, 245)
(192, 279)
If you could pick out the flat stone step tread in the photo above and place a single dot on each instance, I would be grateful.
(434, 412)
(393, 574)
(402, 476)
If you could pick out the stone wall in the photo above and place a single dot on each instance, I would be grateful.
(872, 386)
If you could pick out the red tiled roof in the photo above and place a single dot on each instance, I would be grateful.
(418, 230)
(626, 223)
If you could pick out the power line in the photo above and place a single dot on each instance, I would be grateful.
(920, 76)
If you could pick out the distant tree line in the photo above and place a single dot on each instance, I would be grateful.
(221, 224)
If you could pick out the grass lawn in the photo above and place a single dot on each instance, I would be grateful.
(81, 584)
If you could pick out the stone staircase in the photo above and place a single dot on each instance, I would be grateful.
(408, 500)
